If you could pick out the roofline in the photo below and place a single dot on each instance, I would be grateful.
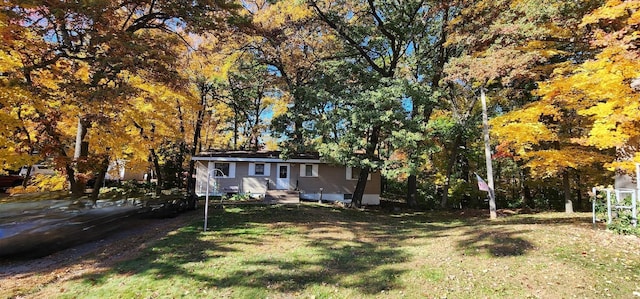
(256, 159)
(258, 156)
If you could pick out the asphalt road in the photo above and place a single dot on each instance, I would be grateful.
(37, 228)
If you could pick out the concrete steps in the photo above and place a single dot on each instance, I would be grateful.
(282, 196)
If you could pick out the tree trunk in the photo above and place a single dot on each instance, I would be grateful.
(27, 176)
(527, 199)
(100, 179)
(183, 147)
(451, 164)
(191, 180)
(78, 185)
(447, 183)
(360, 186)
(364, 173)
(578, 193)
(566, 185)
(235, 127)
(412, 190)
(156, 165)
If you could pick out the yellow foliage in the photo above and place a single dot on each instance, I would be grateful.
(276, 15)
(593, 99)
(281, 106)
(611, 10)
(523, 129)
(9, 63)
(42, 183)
(551, 162)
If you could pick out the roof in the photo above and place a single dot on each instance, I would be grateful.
(256, 156)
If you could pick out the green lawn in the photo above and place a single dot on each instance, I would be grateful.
(312, 251)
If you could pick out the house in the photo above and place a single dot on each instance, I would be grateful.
(256, 173)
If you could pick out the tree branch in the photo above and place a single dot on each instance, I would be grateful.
(349, 39)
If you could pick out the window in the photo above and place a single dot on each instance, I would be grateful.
(224, 167)
(259, 169)
(308, 170)
(283, 172)
(354, 174)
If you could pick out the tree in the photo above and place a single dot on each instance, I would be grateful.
(372, 109)
(293, 45)
(252, 91)
(87, 51)
(602, 89)
(206, 69)
(378, 36)
(508, 45)
(587, 108)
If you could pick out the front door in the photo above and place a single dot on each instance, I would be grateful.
(282, 180)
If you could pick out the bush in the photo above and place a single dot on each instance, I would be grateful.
(239, 196)
(623, 225)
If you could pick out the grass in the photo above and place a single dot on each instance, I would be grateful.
(312, 251)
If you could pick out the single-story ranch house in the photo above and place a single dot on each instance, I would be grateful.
(255, 173)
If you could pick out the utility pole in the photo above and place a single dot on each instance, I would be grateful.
(487, 154)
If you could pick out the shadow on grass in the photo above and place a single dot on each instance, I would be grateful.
(364, 260)
(496, 242)
(360, 267)
(167, 257)
(580, 219)
(361, 263)
(332, 246)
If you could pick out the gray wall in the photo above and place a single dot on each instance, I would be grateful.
(331, 178)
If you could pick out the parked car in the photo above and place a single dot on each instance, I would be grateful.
(10, 180)
(37, 169)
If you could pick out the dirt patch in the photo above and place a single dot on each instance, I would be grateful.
(20, 278)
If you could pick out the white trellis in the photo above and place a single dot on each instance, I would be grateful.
(616, 200)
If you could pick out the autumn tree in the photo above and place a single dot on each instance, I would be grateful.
(508, 45)
(606, 87)
(286, 38)
(588, 108)
(206, 68)
(84, 54)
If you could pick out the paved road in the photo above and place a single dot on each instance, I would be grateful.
(38, 228)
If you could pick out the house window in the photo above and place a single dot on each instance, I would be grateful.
(308, 170)
(259, 169)
(223, 167)
(354, 174)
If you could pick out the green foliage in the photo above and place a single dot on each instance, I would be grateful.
(360, 110)
(623, 225)
(237, 197)
(622, 222)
